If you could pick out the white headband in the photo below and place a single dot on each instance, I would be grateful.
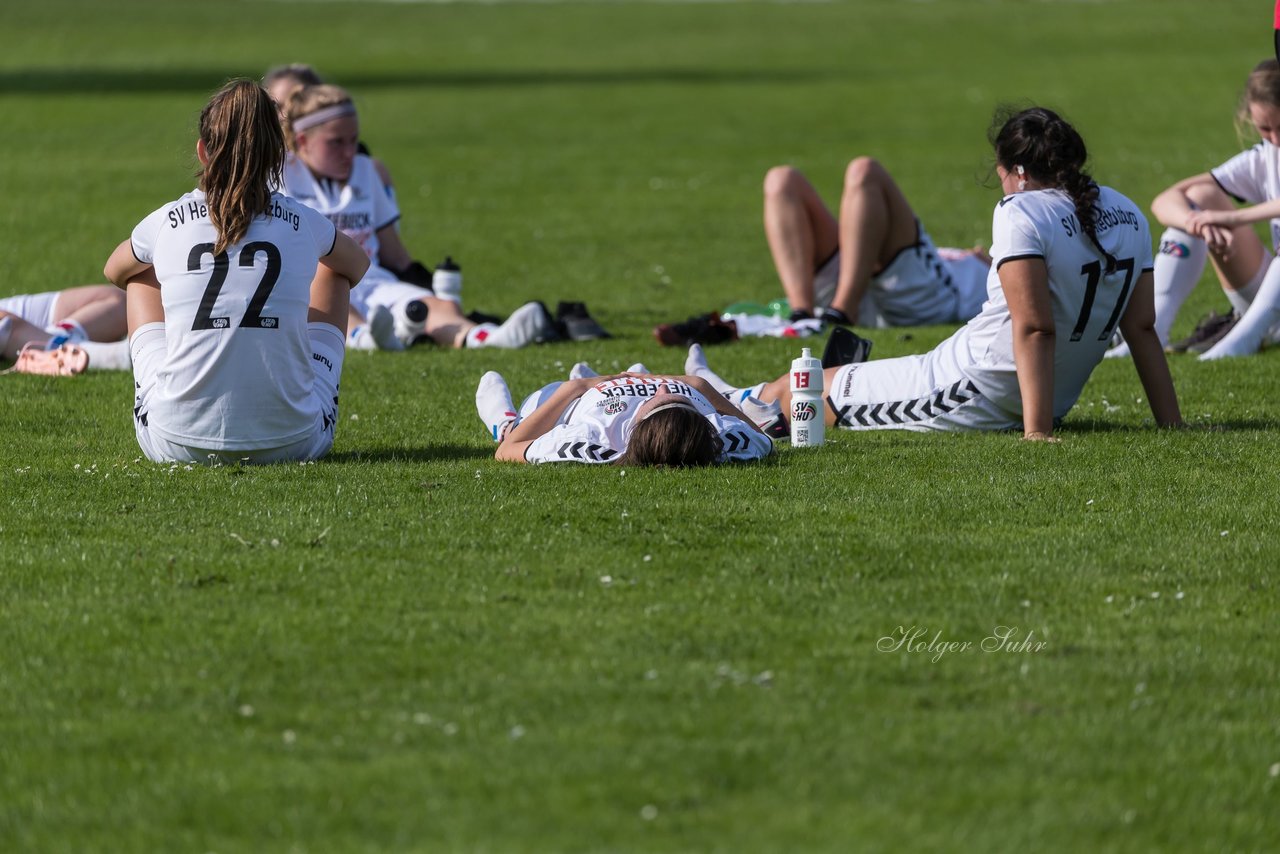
(675, 404)
(328, 114)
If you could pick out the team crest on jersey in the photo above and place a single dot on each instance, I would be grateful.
(1174, 248)
(612, 406)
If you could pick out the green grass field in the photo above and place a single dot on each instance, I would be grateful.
(409, 646)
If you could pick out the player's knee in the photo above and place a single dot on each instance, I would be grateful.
(782, 180)
(863, 171)
(1209, 197)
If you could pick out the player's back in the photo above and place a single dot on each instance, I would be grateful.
(1088, 290)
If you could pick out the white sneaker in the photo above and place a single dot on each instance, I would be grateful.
(382, 326)
(493, 402)
(531, 323)
(581, 370)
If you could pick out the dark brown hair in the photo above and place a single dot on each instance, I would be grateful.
(1051, 152)
(241, 133)
(678, 437)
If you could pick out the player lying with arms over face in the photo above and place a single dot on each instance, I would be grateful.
(1072, 261)
(635, 418)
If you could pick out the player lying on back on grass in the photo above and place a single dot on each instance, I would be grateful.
(875, 265)
(1204, 223)
(237, 300)
(635, 418)
(65, 332)
(1072, 260)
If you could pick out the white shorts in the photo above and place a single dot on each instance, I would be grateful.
(380, 287)
(541, 396)
(149, 350)
(922, 285)
(912, 393)
(36, 309)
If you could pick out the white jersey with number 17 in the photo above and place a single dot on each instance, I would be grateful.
(1087, 297)
(237, 374)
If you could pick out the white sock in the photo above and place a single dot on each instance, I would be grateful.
(581, 370)
(1178, 267)
(478, 334)
(108, 356)
(382, 326)
(493, 402)
(638, 368)
(1260, 316)
(65, 332)
(361, 338)
(696, 365)
(1241, 299)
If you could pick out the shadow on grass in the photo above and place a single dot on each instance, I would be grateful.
(203, 80)
(432, 453)
(1228, 426)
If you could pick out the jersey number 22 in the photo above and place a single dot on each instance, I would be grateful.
(253, 318)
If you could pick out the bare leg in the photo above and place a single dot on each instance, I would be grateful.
(99, 309)
(1238, 268)
(21, 333)
(801, 232)
(780, 390)
(876, 223)
(446, 324)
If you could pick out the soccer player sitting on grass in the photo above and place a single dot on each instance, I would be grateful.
(237, 299)
(65, 332)
(634, 418)
(1072, 260)
(1203, 223)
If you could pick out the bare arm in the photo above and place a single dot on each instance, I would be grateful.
(1026, 289)
(540, 422)
(347, 260)
(142, 298)
(1173, 209)
(391, 251)
(1138, 326)
(1235, 217)
(123, 266)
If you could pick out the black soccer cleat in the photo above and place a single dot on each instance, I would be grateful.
(575, 323)
(845, 347)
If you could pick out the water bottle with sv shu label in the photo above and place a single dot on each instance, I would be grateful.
(807, 412)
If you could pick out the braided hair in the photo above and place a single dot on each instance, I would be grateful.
(1051, 152)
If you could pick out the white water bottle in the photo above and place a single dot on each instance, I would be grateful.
(446, 281)
(807, 405)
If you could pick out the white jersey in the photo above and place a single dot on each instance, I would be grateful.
(970, 380)
(360, 207)
(1253, 177)
(237, 374)
(1087, 299)
(597, 427)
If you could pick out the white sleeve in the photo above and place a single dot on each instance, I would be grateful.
(145, 233)
(741, 442)
(1013, 235)
(322, 229)
(1244, 176)
(571, 443)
